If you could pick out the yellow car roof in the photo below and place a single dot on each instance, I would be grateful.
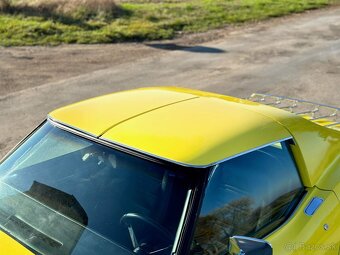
(188, 127)
(97, 115)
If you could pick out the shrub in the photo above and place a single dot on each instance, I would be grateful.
(79, 9)
(104, 9)
(4, 5)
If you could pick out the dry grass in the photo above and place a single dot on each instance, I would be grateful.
(153, 1)
(71, 6)
(79, 9)
(4, 5)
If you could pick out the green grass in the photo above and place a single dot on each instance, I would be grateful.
(137, 20)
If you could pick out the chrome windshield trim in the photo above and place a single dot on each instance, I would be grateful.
(70, 127)
(180, 229)
(93, 138)
(117, 145)
(212, 172)
(189, 165)
(155, 156)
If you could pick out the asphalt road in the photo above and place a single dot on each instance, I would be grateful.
(297, 57)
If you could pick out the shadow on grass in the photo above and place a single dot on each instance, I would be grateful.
(174, 47)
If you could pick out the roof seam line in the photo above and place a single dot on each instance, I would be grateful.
(139, 114)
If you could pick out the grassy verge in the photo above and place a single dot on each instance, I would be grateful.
(30, 22)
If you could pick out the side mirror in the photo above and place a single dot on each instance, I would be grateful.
(241, 245)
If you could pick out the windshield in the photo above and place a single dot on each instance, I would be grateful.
(61, 194)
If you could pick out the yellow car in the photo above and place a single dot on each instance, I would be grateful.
(165, 171)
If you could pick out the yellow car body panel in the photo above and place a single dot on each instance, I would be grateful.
(97, 115)
(197, 128)
(318, 234)
(9, 246)
(157, 121)
(213, 126)
(216, 130)
(317, 147)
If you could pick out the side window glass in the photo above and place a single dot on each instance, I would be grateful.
(249, 195)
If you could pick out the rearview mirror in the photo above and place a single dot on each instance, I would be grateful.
(241, 245)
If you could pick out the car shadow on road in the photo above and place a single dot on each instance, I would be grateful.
(176, 47)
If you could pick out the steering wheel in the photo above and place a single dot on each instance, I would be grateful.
(151, 228)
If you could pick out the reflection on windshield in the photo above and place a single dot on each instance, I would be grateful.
(38, 225)
(62, 194)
